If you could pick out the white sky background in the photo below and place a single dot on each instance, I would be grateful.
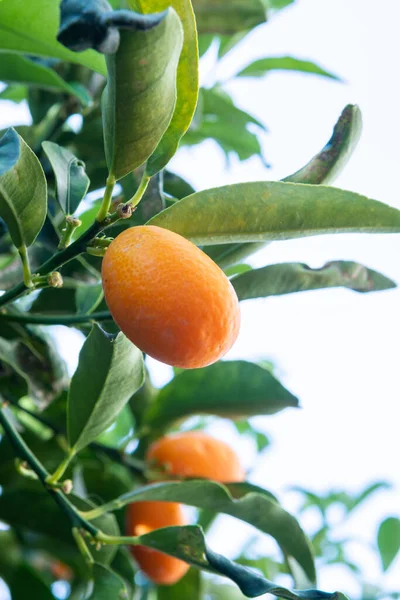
(337, 350)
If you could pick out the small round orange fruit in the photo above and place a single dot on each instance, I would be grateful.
(143, 517)
(196, 454)
(169, 298)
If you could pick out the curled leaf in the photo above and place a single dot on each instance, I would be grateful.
(94, 24)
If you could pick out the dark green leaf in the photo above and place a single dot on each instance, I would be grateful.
(14, 382)
(389, 540)
(266, 211)
(26, 583)
(9, 150)
(187, 81)
(110, 370)
(55, 301)
(71, 178)
(88, 297)
(231, 389)
(228, 16)
(260, 67)
(31, 28)
(23, 191)
(188, 544)
(140, 96)
(176, 186)
(107, 584)
(93, 24)
(287, 278)
(325, 166)
(243, 501)
(15, 68)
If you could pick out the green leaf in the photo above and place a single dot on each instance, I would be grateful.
(14, 93)
(120, 432)
(228, 16)
(23, 191)
(187, 81)
(325, 166)
(248, 503)
(389, 540)
(88, 297)
(110, 370)
(9, 150)
(189, 587)
(231, 389)
(260, 67)
(287, 278)
(107, 584)
(71, 178)
(93, 24)
(31, 28)
(267, 211)
(176, 186)
(226, 255)
(218, 118)
(188, 544)
(26, 583)
(140, 96)
(15, 68)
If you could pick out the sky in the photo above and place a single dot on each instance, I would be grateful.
(337, 350)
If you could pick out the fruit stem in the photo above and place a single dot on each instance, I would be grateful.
(22, 251)
(117, 539)
(24, 452)
(71, 223)
(105, 205)
(136, 198)
(51, 480)
(80, 542)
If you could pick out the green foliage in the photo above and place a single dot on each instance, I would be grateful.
(72, 181)
(91, 431)
(109, 372)
(230, 389)
(140, 97)
(23, 193)
(268, 211)
(389, 540)
(287, 278)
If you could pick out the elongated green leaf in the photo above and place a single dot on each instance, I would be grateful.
(266, 211)
(88, 297)
(15, 68)
(107, 584)
(226, 255)
(110, 370)
(228, 16)
(23, 192)
(72, 181)
(188, 544)
(140, 96)
(31, 28)
(243, 501)
(232, 389)
(389, 541)
(325, 166)
(260, 67)
(287, 278)
(187, 81)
